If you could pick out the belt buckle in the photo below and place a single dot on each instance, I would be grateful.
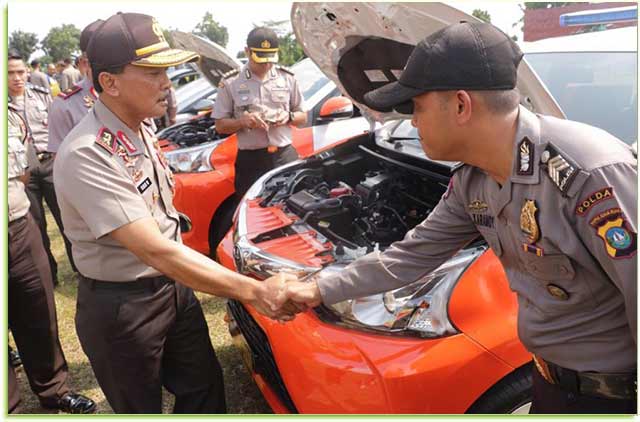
(543, 369)
(271, 149)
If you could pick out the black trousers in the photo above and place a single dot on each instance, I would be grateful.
(32, 316)
(142, 335)
(251, 164)
(550, 398)
(41, 187)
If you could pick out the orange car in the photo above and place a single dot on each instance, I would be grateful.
(446, 343)
(203, 163)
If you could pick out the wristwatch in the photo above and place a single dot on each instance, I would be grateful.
(291, 116)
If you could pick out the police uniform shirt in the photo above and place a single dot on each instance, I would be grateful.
(277, 94)
(70, 76)
(33, 106)
(16, 166)
(107, 176)
(67, 110)
(40, 79)
(564, 228)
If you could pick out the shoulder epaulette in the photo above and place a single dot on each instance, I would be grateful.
(232, 72)
(38, 88)
(284, 69)
(106, 140)
(562, 170)
(457, 167)
(69, 92)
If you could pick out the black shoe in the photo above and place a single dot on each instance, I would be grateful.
(14, 358)
(76, 403)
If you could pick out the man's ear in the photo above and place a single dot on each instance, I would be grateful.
(109, 83)
(464, 107)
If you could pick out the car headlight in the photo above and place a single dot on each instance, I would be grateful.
(193, 159)
(418, 309)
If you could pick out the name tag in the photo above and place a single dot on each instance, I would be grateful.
(144, 185)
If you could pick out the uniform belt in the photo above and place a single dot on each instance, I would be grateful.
(43, 155)
(622, 386)
(140, 283)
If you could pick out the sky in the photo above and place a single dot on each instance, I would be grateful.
(238, 16)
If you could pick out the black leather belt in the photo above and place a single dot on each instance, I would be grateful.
(43, 155)
(621, 386)
(141, 283)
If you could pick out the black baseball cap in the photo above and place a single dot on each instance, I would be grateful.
(133, 38)
(465, 55)
(263, 43)
(87, 33)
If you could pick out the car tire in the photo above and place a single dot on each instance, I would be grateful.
(221, 223)
(512, 394)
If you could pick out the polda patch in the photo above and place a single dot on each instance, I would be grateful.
(593, 199)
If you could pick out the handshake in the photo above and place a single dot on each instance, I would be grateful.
(282, 296)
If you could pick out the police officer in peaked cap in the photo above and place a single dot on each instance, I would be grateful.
(137, 318)
(555, 200)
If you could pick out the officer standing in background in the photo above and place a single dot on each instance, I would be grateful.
(555, 200)
(33, 102)
(32, 311)
(259, 103)
(68, 109)
(137, 319)
(38, 77)
(69, 76)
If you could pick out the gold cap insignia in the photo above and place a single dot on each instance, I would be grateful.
(265, 44)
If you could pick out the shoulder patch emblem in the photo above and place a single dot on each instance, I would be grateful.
(525, 157)
(618, 237)
(596, 197)
(559, 169)
(232, 72)
(106, 140)
(39, 88)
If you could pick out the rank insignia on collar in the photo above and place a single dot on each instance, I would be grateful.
(618, 237)
(528, 223)
(477, 206)
(106, 140)
(525, 157)
(124, 140)
(88, 101)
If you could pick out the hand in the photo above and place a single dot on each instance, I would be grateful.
(271, 299)
(253, 121)
(282, 119)
(304, 293)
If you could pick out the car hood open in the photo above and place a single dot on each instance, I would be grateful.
(347, 39)
(214, 59)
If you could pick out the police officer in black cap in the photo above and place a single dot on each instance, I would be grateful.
(555, 200)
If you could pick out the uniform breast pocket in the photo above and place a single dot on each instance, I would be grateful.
(280, 96)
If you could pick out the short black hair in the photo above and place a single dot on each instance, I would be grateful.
(96, 70)
(14, 54)
(35, 62)
(67, 61)
(500, 101)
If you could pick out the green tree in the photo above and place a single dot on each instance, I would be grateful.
(212, 30)
(290, 50)
(483, 15)
(24, 42)
(168, 37)
(62, 42)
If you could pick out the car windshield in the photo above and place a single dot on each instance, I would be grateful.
(188, 94)
(597, 88)
(310, 78)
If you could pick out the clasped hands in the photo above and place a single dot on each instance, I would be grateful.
(282, 296)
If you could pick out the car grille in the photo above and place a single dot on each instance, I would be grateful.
(265, 364)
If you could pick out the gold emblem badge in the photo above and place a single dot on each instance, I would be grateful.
(265, 44)
(478, 206)
(528, 223)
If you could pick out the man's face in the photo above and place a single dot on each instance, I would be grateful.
(259, 68)
(431, 118)
(51, 70)
(17, 76)
(143, 90)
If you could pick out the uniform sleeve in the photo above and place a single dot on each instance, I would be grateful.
(101, 193)
(297, 100)
(445, 231)
(606, 222)
(223, 108)
(60, 124)
(17, 160)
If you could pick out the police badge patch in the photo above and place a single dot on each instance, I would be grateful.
(614, 230)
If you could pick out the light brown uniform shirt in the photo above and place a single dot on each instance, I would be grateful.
(40, 79)
(16, 166)
(67, 110)
(107, 176)
(577, 281)
(272, 98)
(33, 106)
(69, 77)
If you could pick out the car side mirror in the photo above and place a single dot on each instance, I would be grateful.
(202, 105)
(336, 108)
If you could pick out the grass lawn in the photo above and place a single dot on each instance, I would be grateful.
(242, 394)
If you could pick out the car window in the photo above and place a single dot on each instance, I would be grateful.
(188, 94)
(597, 88)
(310, 78)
